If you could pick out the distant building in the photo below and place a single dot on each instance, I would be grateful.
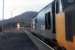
(17, 23)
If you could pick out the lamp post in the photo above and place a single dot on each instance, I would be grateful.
(3, 15)
(60, 6)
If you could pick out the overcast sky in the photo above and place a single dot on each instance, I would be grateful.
(16, 7)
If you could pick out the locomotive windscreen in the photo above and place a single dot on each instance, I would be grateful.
(67, 3)
(70, 23)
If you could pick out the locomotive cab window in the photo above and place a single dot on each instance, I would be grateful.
(57, 7)
(53, 16)
(47, 21)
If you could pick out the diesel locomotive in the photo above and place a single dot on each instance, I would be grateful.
(59, 18)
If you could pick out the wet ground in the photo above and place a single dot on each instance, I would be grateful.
(16, 41)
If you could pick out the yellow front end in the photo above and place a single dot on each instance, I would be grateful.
(61, 34)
